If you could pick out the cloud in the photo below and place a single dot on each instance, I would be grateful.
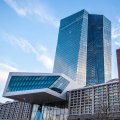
(117, 43)
(40, 52)
(119, 20)
(33, 9)
(7, 67)
(40, 47)
(20, 42)
(116, 30)
(4, 71)
(22, 11)
(46, 61)
(116, 33)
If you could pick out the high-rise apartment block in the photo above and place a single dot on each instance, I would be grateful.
(84, 48)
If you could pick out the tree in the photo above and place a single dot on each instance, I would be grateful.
(103, 111)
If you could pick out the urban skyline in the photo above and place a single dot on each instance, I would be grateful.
(74, 90)
(24, 44)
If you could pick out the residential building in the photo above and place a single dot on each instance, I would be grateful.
(84, 48)
(97, 101)
(15, 111)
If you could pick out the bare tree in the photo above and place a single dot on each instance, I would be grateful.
(103, 112)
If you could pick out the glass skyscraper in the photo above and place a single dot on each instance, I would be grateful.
(98, 50)
(83, 54)
(84, 48)
(71, 49)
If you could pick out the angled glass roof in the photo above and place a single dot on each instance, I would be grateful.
(38, 88)
(20, 83)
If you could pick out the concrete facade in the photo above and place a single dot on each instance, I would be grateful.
(15, 111)
(98, 102)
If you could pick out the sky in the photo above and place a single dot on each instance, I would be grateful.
(29, 32)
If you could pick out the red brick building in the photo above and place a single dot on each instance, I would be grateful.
(118, 62)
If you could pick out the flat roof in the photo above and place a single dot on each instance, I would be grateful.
(97, 85)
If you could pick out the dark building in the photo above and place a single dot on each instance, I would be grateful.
(118, 62)
(84, 48)
(98, 50)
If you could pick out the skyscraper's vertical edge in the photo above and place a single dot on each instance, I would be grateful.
(95, 52)
(98, 50)
(82, 58)
(107, 48)
(71, 48)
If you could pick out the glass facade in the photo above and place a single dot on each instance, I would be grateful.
(50, 112)
(107, 48)
(59, 85)
(98, 50)
(84, 48)
(84, 54)
(21, 83)
(71, 49)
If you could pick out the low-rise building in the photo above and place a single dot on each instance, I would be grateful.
(15, 111)
(95, 102)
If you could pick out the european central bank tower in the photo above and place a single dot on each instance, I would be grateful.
(84, 48)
